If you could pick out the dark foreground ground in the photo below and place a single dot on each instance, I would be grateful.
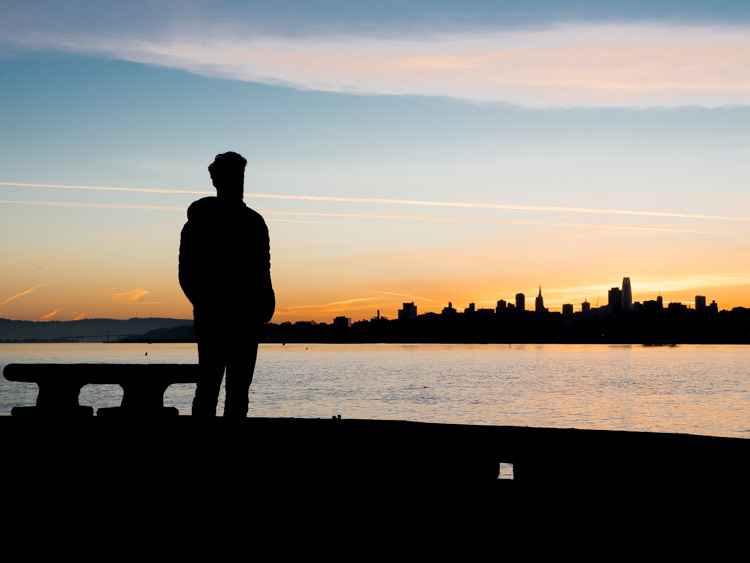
(186, 488)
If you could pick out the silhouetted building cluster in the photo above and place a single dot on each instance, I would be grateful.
(621, 320)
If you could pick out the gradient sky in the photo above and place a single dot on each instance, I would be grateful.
(443, 151)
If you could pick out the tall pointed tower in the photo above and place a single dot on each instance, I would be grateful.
(539, 308)
(627, 295)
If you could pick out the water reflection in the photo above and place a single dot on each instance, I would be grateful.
(693, 389)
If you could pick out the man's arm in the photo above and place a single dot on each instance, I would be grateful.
(269, 302)
(187, 262)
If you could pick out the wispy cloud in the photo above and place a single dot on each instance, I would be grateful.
(407, 295)
(654, 286)
(564, 65)
(50, 315)
(325, 306)
(17, 295)
(79, 317)
(504, 222)
(131, 296)
(311, 222)
(718, 279)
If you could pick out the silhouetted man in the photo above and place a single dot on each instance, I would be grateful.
(225, 272)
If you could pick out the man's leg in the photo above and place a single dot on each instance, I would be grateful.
(240, 370)
(211, 362)
(207, 391)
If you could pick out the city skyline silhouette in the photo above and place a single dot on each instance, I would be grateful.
(618, 298)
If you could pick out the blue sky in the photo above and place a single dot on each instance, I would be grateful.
(590, 142)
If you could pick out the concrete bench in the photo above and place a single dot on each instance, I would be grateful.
(60, 384)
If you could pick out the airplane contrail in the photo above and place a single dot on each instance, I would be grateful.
(385, 216)
(499, 206)
(390, 201)
(109, 188)
(99, 205)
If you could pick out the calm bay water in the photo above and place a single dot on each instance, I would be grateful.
(689, 389)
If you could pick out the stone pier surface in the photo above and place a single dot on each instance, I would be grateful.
(140, 475)
(360, 479)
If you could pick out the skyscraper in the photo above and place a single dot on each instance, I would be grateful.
(614, 301)
(449, 310)
(408, 312)
(539, 305)
(627, 295)
(520, 302)
(500, 306)
(342, 322)
(585, 306)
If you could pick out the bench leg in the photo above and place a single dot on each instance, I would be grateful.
(56, 399)
(141, 397)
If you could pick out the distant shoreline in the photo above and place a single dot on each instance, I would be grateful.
(662, 327)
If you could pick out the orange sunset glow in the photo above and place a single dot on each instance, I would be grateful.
(414, 161)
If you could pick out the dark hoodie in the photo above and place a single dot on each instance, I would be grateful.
(225, 261)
